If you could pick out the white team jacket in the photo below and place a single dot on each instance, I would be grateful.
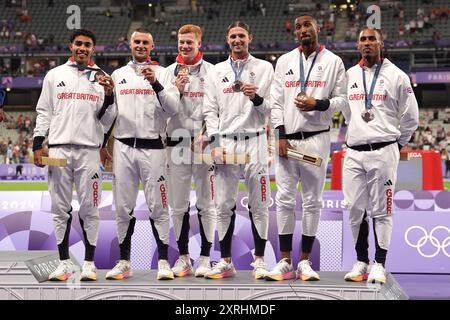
(228, 112)
(68, 106)
(141, 113)
(326, 81)
(191, 103)
(394, 105)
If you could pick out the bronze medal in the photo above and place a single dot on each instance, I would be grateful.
(98, 75)
(237, 85)
(145, 71)
(302, 96)
(367, 115)
(138, 70)
(183, 70)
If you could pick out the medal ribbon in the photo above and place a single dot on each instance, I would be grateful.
(194, 67)
(237, 72)
(304, 81)
(83, 68)
(136, 64)
(145, 63)
(368, 97)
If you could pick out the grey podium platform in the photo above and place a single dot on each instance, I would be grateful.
(17, 283)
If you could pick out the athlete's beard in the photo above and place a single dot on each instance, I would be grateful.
(306, 41)
(370, 60)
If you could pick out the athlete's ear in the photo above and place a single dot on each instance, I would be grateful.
(318, 29)
(71, 48)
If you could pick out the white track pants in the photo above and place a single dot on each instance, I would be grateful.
(289, 172)
(83, 164)
(226, 183)
(130, 166)
(369, 179)
(179, 176)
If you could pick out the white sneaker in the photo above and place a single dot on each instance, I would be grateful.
(62, 272)
(282, 271)
(121, 270)
(305, 272)
(377, 274)
(221, 270)
(203, 267)
(89, 271)
(164, 271)
(259, 269)
(358, 273)
(182, 266)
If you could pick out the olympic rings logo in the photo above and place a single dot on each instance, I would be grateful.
(433, 240)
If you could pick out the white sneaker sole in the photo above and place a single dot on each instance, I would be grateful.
(89, 278)
(165, 277)
(119, 276)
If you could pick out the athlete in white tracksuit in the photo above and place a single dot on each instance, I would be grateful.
(143, 104)
(371, 160)
(235, 123)
(306, 131)
(181, 130)
(69, 110)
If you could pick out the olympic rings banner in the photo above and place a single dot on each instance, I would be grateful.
(26, 224)
(421, 234)
(420, 242)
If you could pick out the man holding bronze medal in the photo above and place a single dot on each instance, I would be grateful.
(145, 98)
(190, 71)
(236, 108)
(383, 116)
(309, 85)
(71, 111)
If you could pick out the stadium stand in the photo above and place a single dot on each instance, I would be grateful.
(419, 20)
(215, 16)
(49, 23)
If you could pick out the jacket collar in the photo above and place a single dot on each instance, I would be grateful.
(321, 47)
(91, 63)
(197, 60)
(361, 62)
